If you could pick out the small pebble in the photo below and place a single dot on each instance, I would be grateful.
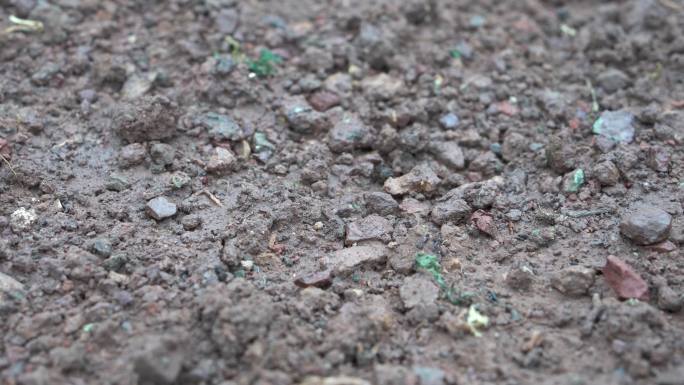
(646, 225)
(160, 208)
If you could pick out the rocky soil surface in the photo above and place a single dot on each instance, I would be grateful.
(343, 192)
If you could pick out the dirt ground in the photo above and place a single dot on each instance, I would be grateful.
(341, 192)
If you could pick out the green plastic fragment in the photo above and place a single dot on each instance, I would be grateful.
(87, 328)
(576, 182)
(429, 263)
(476, 320)
(264, 65)
(454, 53)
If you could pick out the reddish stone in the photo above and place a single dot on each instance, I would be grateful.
(324, 100)
(507, 108)
(663, 247)
(321, 279)
(624, 280)
(484, 222)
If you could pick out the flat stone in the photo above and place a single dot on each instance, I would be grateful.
(420, 179)
(380, 203)
(321, 279)
(370, 227)
(615, 125)
(418, 290)
(449, 153)
(160, 208)
(453, 209)
(222, 127)
(646, 225)
(573, 281)
(624, 280)
(345, 261)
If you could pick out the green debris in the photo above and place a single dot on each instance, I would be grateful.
(476, 320)
(429, 263)
(234, 47)
(568, 30)
(439, 80)
(87, 328)
(23, 25)
(179, 180)
(574, 180)
(456, 54)
(264, 65)
(262, 144)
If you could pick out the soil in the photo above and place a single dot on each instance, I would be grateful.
(344, 192)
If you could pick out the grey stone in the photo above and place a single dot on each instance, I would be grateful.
(418, 289)
(616, 126)
(514, 145)
(370, 227)
(158, 361)
(429, 376)
(449, 121)
(449, 153)
(612, 80)
(386, 374)
(131, 155)
(222, 127)
(145, 119)
(677, 233)
(345, 261)
(116, 182)
(646, 225)
(160, 208)
(101, 247)
(381, 203)
(221, 161)
(420, 179)
(10, 285)
(348, 134)
(453, 209)
(191, 222)
(136, 86)
(302, 118)
(573, 281)
(607, 173)
(162, 153)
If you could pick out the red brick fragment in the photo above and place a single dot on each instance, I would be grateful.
(624, 280)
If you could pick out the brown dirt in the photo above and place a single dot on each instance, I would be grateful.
(285, 261)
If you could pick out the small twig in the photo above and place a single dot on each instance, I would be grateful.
(22, 25)
(587, 213)
(9, 165)
(211, 197)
